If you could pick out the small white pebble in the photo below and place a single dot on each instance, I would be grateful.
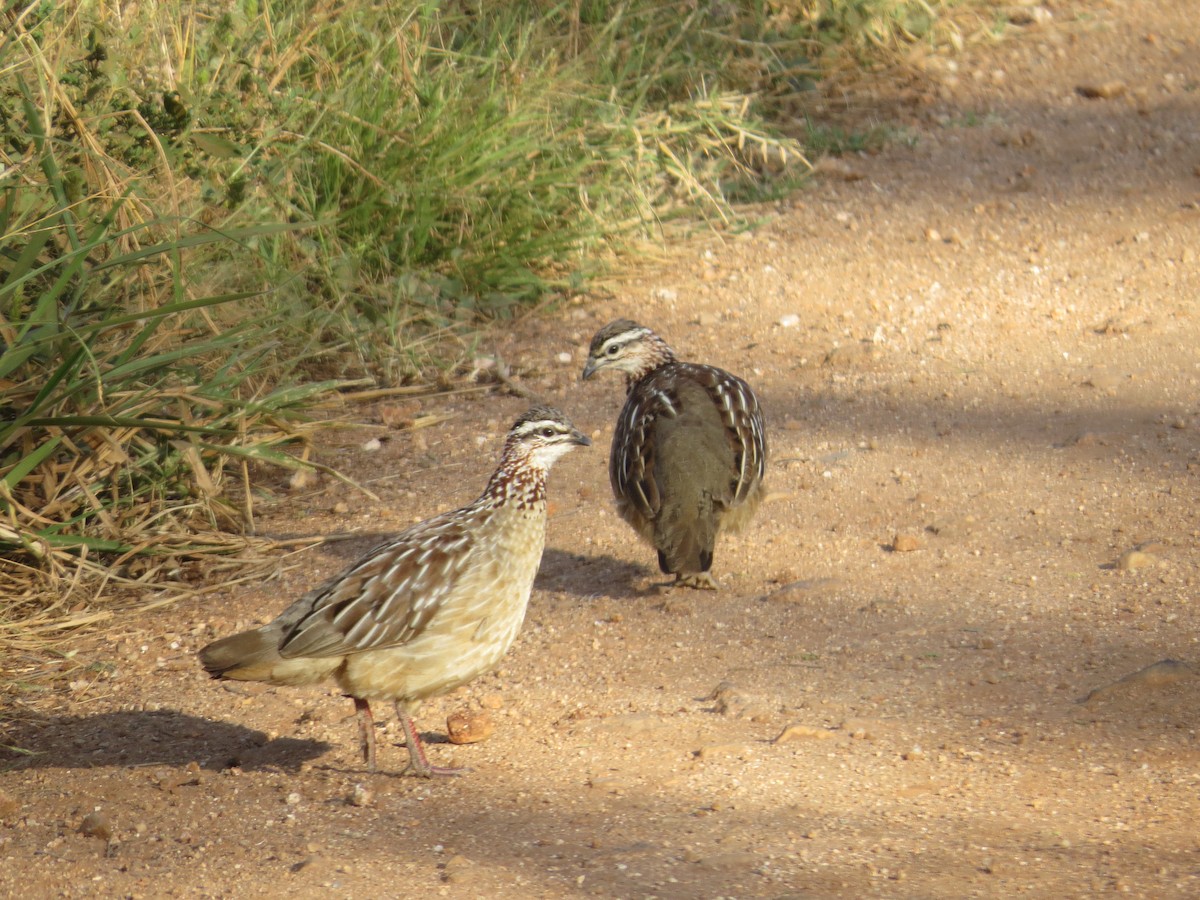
(372, 445)
(791, 320)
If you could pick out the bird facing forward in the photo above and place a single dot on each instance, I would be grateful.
(688, 453)
(436, 606)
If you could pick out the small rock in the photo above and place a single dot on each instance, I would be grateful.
(906, 543)
(469, 727)
(1103, 91)
(372, 444)
(914, 754)
(791, 320)
(491, 701)
(798, 732)
(707, 319)
(8, 806)
(1136, 559)
(360, 796)
(97, 824)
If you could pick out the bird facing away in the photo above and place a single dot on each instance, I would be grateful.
(689, 450)
(436, 606)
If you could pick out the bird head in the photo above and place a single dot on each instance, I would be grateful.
(625, 346)
(543, 434)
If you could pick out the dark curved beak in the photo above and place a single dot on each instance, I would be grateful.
(589, 370)
(580, 438)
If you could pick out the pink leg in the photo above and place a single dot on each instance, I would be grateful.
(366, 731)
(416, 751)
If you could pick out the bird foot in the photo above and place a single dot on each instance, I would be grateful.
(418, 765)
(702, 581)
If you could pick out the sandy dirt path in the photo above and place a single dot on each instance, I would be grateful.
(968, 609)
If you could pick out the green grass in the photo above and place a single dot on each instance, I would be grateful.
(832, 140)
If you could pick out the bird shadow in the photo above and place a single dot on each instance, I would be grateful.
(591, 576)
(142, 738)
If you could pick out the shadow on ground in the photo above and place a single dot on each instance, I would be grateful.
(137, 738)
(599, 575)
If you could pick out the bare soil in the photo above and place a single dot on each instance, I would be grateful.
(953, 656)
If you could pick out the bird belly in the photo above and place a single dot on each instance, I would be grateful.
(425, 668)
(287, 672)
(477, 624)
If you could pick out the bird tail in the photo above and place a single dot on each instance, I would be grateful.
(239, 655)
(254, 656)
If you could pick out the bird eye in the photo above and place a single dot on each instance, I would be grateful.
(612, 349)
(548, 432)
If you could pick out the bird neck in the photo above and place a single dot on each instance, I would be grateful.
(516, 481)
(654, 354)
